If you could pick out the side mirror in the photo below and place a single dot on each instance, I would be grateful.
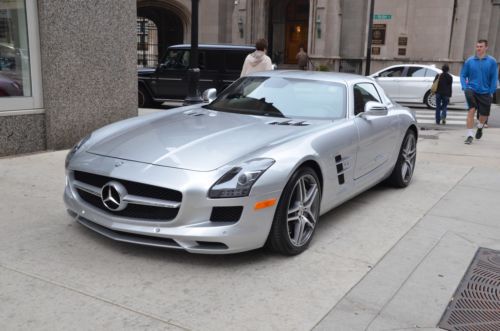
(373, 108)
(209, 95)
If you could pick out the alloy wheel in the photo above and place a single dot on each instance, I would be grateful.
(408, 155)
(303, 210)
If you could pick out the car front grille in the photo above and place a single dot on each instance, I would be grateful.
(165, 206)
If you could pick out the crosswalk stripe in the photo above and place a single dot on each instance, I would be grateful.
(447, 116)
(428, 116)
(434, 122)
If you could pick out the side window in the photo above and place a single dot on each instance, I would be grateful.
(430, 73)
(363, 93)
(393, 72)
(176, 59)
(416, 72)
(234, 60)
(212, 60)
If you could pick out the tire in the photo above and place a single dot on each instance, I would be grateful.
(405, 164)
(430, 100)
(297, 214)
(144, 99)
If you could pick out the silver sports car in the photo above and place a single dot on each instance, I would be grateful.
(256, 166)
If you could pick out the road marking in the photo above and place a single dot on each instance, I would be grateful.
(427, 116)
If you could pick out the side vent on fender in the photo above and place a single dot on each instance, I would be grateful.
(340, 169)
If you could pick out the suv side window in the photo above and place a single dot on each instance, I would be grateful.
(176, 59)
(211, 60)
(234, 60)
(363, 93)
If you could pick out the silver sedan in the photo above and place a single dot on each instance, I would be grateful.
(255, 167)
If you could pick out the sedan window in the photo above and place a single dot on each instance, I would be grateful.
(431, 73)
(416, 72)
(393, 72)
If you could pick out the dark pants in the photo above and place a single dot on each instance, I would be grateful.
(441, 107)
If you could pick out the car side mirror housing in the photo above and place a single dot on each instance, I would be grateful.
(209, 95)
(373, 108)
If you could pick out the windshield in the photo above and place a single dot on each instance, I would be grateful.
(283, 97)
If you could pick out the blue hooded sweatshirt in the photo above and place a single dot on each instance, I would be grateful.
(480, 75)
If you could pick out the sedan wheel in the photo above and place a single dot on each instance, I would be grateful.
(430, 100)
(297, 214)
(405, 165)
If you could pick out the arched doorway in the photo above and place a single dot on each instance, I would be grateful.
(288, 29)
(296, 29)
(157, 28)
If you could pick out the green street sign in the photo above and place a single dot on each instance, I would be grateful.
(382, 16)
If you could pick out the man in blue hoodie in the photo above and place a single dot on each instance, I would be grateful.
(479, 77)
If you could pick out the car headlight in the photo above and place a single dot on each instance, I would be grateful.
(75, 149)
(238, 181)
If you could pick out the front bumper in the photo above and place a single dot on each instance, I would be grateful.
(191, 229)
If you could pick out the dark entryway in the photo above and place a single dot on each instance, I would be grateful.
(157, 28)
(288, 29)
(297, 25)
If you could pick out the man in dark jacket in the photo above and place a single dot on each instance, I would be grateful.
(443, 94)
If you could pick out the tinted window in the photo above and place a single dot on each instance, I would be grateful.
(234, 60)
(416, 72)
(393, 72)
(363, 93)
(176, 59)
(209, 60)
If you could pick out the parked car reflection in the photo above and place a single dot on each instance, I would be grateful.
(9, 87)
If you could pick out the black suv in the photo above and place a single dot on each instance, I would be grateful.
(220, 65)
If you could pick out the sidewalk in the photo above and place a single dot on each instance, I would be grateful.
(412, 285)
(389, 259)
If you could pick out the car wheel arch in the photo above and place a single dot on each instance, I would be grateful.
(314, 165)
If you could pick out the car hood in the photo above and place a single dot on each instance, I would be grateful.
(197, 139)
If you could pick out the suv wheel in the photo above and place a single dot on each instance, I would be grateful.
(143, 98)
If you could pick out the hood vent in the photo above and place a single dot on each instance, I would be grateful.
(290, 122)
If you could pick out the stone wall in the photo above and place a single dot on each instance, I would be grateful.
(88, 60)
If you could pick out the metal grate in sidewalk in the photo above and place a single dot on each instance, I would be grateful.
(475, 306)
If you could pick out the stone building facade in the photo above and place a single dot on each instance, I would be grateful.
(73, 66)
(335, 32)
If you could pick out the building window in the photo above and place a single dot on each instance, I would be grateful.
(19, 56)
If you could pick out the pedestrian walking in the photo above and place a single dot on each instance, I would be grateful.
(479, 77)
(302, 59)
(443, 94)
(258, 60)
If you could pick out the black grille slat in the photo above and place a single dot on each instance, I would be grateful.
(132, 211)
(136, 211)
(144, 190)
(226, 214)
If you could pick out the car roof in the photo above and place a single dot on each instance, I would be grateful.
(248, 48)
(329, 76)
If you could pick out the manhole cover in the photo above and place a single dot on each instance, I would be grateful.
(475, 305)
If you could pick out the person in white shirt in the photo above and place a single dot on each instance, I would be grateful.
(258, 60)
